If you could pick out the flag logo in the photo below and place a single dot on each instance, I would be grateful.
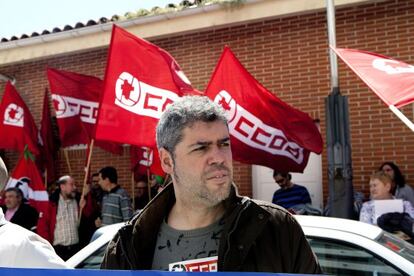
(141, 98)
(70, 107)
(14, 115)
(127, 89)
(252, 131)
(386, 65)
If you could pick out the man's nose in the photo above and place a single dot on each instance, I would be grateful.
(217, 155)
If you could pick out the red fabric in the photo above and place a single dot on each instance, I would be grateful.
(17, 126)
(47, 141)
(76, 100)
(141, 81)
(26, 176)
(47, 222)
(141, 159)
(264, 130)
(391, 80)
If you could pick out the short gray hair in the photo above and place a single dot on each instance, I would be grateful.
(184, 113)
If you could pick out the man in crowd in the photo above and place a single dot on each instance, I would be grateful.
(289, 194)
(60, 224)
(18, 212)
(141, 195)
(20, 247)
(199, 222)
(116, 204)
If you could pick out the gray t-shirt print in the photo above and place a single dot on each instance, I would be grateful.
(175, 246)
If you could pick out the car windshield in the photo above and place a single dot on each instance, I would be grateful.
(397, 245)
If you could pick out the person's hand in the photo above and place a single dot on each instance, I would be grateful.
(98, 222)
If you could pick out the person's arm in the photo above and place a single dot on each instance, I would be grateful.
(366, 213)
(408, 208)
(126, 208)
(306, 196)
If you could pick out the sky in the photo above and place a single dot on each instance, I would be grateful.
(19, 17)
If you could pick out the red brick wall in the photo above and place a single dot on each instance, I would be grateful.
(289, 56)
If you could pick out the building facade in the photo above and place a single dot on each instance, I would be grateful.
(283, 44)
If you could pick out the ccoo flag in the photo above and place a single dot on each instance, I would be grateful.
(264, 130)
(47, 141)
(391, 80)
(17, 126)
(141, 81)
(75, 99)
(143, 158)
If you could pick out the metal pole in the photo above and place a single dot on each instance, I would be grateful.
(337, 135)
(330, 14)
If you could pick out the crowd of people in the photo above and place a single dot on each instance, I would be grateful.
(71, 218)
(390, 204)
(198, 217)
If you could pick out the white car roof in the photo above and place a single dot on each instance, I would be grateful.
(356, 227)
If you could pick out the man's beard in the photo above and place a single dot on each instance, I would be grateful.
(199, 192)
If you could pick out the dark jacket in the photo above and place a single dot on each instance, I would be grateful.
(26, 216)
(257, 236)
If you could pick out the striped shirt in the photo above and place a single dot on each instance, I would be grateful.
(292, 196)
(116, 206)
(66, 229)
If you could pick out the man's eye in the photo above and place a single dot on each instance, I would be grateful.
(202, 148)
(225, 144)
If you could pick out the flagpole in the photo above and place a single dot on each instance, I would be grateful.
(67, 160)
(46, 179)
(148, 175)
(133, 190)
(85, 179)
(338, 144)
(402, 117)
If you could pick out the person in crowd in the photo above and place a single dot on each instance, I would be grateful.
(18, 212)
(289, 194)
(116, 204)
(380, 186)
(199, 220)
(399, 189)
(20, 247)
(141, 194)
(60, 224)
(91, 201)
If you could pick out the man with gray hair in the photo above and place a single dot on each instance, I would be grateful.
(199, 222)
(20, 247)
(59, 225)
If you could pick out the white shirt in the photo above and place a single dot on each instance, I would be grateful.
(22, 248)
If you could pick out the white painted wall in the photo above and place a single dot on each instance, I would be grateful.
(264, 186)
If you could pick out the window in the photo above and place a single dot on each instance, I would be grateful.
(341, 258)
(94, 260)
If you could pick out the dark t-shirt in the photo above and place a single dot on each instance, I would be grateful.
(292, 196)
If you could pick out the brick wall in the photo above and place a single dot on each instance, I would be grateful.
(289, 56)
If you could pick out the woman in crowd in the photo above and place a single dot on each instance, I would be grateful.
(380, 186)
(399, 188)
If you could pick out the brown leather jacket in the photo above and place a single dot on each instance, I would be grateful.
(258, 236)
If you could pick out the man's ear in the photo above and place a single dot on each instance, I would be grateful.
(166, 161)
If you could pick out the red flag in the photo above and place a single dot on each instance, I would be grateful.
(143, 158)
(141, 81)
(27, 177)
(390, 79)
(76, 101)
(17, 125)
(264, 130)
(47, 141)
